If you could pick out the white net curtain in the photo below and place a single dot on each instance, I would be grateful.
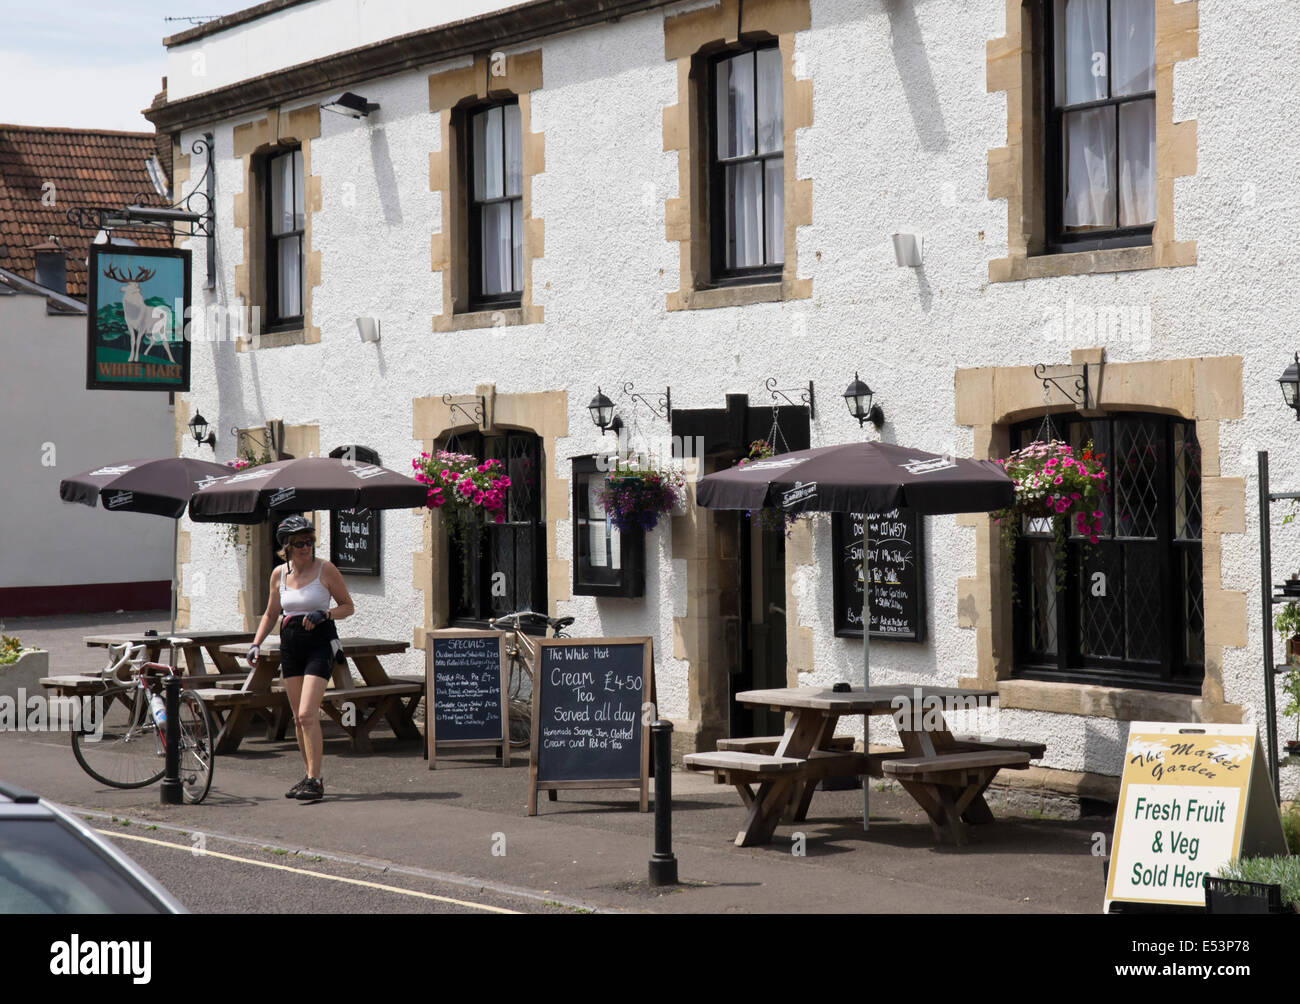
(1105, 51)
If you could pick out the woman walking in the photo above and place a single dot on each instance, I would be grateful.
(301, 590)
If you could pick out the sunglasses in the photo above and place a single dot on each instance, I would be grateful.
(302, 543)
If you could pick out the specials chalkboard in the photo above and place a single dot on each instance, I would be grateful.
(590, 698)
(897, 563)
(465, 688)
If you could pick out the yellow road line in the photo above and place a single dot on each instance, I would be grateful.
(306, 871)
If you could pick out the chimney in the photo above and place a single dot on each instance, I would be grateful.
(51, 267)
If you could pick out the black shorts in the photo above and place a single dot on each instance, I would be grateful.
(301, 654)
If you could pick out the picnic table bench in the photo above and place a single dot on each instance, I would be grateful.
(776, 776)
(357, 708)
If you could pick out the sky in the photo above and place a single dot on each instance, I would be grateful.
(90, 64)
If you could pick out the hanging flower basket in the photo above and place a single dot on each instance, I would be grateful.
(638, 496)
(1053, 482)
(769, 517)
(237, 535)
(468, 493)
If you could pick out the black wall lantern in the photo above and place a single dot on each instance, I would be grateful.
(602, 410)
(199, 430)
(1290, 383)
(858, 397)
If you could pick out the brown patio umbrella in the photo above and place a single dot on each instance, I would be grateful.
(866, 478)
(160, 487)
(255, 494)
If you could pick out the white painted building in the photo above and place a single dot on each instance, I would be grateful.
(58, 557)
(1161, 267)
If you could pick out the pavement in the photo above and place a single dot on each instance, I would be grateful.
(465, 825)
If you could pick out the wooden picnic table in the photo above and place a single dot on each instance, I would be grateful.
(357, 709)
(210, 642)
(947, 775)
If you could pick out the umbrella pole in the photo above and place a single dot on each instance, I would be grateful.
(866, 665)
(176, 531)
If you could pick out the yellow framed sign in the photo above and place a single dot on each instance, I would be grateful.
(1192, 797)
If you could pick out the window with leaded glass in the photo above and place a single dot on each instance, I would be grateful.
(1128, 610)
(503, 568)
(1101, 137)
(285, 224)
(747, 166)
(495, 168)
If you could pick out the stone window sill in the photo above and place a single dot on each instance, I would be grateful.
(1095, 701)
(271, 340)
(740, 296)
(1046, 266)
(499, 317)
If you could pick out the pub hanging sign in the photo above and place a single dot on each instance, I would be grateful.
(138, 300)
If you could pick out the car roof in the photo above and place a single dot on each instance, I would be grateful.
(19, 803)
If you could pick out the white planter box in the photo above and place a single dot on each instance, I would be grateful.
(25, 674)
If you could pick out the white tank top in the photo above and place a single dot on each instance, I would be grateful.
(313, 596)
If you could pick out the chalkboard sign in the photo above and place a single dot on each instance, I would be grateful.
(354, 533)
(589, 699)
(897, 563)
(465, 688)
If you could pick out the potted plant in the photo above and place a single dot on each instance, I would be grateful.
(21, 669)
(1291, 690)
(1255, 885)
(637, 494)
(769, 517)
(466, 492)
(1054, 482)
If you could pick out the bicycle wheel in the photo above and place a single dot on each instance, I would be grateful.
(521, 724)
(121, 746)
(197, 742)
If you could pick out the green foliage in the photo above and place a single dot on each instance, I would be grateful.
(1291, 690)
(1287, 620)
(10, 649)
(1283, 871)
(1291, 827)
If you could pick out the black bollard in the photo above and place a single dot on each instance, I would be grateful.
(172, 793)
(663, 864)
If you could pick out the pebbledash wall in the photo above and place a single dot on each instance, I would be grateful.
(899, 117)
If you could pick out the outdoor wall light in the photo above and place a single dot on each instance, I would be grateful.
(199, 430)
(1290, 383)
(352, 105)
(858, 397)
(368, 327)
(602, 411)
(907, 250)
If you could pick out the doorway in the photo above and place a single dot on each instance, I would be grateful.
(761, 659)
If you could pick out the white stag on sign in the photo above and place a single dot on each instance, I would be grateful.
(142, 319)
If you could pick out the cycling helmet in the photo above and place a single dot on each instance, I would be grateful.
(290, 526)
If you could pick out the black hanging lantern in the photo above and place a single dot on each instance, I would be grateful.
(1290, 383)
(858, 398)
(602, 411)
(199, 430)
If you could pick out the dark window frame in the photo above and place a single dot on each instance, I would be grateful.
(719, 239)
(271, 244)
(478, 300)
(1059, 241)
(482, 546)
(1176, 670)
(593, 580)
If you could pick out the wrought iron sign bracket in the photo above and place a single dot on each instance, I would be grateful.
(665, 408)
(196, 209)
(1078, 395)
(263, 437)
(805, 395)
(476, 416)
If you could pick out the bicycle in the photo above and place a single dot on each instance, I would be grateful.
(522, 653)
(127, 749)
